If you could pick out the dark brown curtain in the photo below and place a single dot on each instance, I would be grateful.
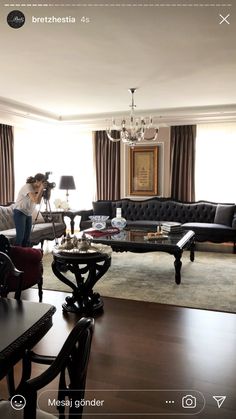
(7, 179)
(107, 166)
(182, 162)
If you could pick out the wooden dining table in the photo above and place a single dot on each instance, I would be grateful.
(22, 326)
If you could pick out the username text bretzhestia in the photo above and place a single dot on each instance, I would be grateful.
(53, 19)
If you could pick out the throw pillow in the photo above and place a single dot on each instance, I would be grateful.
(224, 214)
(102, 208)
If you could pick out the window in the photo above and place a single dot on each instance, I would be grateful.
(63, 151)
(215, 162)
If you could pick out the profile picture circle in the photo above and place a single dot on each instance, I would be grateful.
(15, 19)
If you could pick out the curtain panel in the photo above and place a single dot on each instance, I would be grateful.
(7, 178)
(107, 166)
(182, 162)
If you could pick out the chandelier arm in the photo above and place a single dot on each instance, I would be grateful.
(114, 140)
(153, 138)
(156, 135)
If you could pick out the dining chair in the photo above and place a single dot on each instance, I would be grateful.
(70, 365)
(8, 270)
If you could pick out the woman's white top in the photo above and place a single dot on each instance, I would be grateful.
(23, 202)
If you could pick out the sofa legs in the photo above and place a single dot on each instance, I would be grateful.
(234, 248)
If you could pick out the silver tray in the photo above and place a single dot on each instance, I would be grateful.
(93, 249)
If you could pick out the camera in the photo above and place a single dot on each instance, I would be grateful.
(189, 402)
(48, 186)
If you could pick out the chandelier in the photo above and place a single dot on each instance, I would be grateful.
(133, 129)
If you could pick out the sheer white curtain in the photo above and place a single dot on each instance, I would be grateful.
(63, 151)
(215, 162)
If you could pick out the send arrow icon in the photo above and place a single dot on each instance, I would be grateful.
(219, 400)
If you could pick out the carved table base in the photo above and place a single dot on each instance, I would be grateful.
(87, 268)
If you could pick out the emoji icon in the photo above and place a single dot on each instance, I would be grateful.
(18, 402)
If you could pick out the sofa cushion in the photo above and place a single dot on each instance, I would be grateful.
(206, 226)
(224, 214)
(102, 208)
(211, 232)
(143, 224)
(45, 231)
(6, 217)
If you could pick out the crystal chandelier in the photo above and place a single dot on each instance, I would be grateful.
(134, 129)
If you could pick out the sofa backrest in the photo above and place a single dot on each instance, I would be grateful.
(6, 217)
(168, 210)
(159, 209)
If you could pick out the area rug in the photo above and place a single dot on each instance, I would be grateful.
(208, 283)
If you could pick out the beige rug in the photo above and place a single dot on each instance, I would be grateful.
(209, 282)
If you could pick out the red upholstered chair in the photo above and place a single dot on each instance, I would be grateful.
(7, 269)
(28, 260)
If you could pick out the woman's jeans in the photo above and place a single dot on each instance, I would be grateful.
(23, 225)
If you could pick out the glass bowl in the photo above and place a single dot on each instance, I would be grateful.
(99, 221)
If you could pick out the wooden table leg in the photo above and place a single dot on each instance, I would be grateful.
(178, 265)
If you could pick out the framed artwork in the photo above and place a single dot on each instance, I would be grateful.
(143, 171)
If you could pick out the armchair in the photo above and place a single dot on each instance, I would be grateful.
(29, 261)
(7, 269)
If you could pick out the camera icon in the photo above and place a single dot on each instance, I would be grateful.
(189, 402)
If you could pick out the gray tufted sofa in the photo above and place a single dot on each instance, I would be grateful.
(209, 220)
(42, 229)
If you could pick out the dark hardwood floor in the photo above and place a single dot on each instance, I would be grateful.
(140, 347)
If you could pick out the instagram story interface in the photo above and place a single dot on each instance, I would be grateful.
(83, 67)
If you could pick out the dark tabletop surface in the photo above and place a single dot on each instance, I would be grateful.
(22, 325)
(137, 236)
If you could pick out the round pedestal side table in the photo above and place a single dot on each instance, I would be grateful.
(87, 269)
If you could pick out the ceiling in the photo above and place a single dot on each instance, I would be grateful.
(181, 59)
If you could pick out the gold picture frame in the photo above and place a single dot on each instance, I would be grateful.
(143, 171)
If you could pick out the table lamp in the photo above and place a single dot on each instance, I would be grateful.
(67, 183)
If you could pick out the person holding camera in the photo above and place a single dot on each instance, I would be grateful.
(28, 197)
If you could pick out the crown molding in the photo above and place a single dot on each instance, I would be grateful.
(22, 110)
(23, 114)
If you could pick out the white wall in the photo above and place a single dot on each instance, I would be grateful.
(62, 151)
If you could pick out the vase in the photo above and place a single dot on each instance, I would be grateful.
(119, 221)
(98, 221)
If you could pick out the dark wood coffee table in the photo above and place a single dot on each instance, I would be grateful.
(133, 240)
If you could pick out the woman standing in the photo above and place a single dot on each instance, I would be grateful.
(28, 197)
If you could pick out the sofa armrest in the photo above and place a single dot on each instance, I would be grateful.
(234, 221)
(85, 214)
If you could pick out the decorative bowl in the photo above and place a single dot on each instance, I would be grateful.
(99, 221)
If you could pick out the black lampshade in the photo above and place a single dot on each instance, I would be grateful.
(67, 182)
